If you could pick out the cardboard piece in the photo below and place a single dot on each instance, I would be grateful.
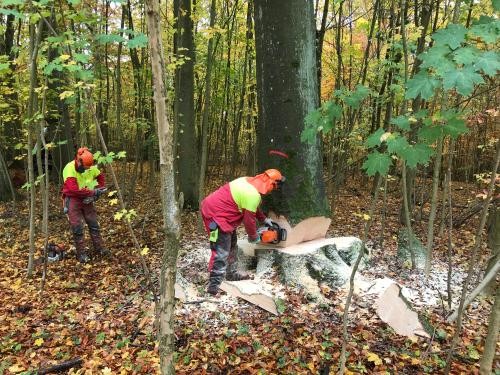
(309, 229)
(394, 310)
(252, 292)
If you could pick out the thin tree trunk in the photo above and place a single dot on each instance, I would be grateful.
(345, 318)
(6, 187)
(169, 200)
(206, 108)
(44, 187)
(434, 198)
(239, 116)
(490, 345)
(473, 259)
(407, 217)
(35, 38)
(490, 275)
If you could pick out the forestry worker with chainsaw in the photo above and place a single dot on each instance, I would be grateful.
(83, 185)
(223, 211)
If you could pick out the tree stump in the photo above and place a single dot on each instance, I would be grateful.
(404, 254)
(308, 264)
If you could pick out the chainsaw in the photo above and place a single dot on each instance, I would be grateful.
(272, 234)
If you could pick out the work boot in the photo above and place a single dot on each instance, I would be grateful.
(213, 290)
(238, 276)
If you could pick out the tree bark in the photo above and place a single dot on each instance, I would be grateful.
(186, 150)
(7, 191)
(206, 108)
(432, 215)
(490, 345)
(35, 38)
(473, 259)
(170, 207)
(286, 92)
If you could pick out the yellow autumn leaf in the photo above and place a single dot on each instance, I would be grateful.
(366, 217)
(16, 368)
(39, 341)
(64, 57)
(145, 250)
(113, 201)
(118, 215)
(415, 361)
(111, 193)
(66, 94)
(372, 357)
(106, 371)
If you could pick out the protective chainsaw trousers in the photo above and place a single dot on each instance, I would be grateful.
(78, 213)
(224, 257)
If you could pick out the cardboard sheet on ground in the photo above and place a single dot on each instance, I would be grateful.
(252, 292)
(393, 310)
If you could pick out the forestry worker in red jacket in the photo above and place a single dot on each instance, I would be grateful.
(223, 211)
(83, 184)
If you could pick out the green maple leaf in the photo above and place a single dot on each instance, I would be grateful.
(401, 122)
(396, 144)
(139, 41)
(12, 12)
(453, 125)
(462, 80)
(486, 28)
(422, 84)
(416, 154)
(466, 55)
(377, 162)
(109, 38)
(374, 139)
(355, 98)
(489, 63)
(430, 133)
(436, 58)
(453, 36)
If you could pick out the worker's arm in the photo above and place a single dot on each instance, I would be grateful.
(250, 225)
(260, 215)
(70, 189)
(101, 180)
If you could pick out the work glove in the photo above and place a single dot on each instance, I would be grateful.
(268, 222)
(99, 191)
(256, 240)
(89, 200)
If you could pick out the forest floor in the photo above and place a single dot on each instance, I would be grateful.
(103, 312)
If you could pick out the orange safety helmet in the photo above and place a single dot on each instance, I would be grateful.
(268, 181)
(84, 157)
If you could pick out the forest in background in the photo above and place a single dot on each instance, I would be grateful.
(400, 100)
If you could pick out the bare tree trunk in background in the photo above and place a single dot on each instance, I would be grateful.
(7, 191)
(35, 37)
(434, 198)
(169, 200)
(44, 188)
(473, 260)
(239, 115)
(407, 216)
(345, 318)
(320, 37)
(186, 150)
(206, 108)
(490, 344)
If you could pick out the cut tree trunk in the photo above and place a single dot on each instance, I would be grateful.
(323, 260)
